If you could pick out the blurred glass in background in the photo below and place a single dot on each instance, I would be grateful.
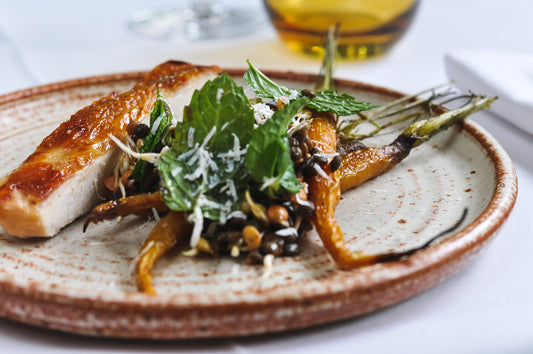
(197, 20)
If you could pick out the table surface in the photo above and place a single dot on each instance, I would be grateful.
(487, 308)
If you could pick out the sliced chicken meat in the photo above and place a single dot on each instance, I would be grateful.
(62, 179)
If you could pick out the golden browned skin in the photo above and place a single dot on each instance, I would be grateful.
(78, 143)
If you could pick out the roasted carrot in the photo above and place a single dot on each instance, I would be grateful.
(172, 228)
(325, 195)
(364, 164)
(369, 162)
(139, 204)
(359, 166)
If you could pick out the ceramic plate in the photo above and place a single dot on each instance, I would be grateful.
(82, 282)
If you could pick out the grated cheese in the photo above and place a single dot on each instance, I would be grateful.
(156, 125)
(190, 137)
(197, 219)
(289, 231)
(237, 214)
(209, 136)
(321, 172)
(262, 113)
(268, 181)
(220, 92)
(176, 171)
(232, 189)
(155, 214)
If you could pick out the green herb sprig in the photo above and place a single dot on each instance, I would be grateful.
(160, 121)
(325, 101)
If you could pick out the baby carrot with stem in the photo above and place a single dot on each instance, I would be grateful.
(360, 166)
(364, 164)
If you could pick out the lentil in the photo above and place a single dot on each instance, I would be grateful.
(296, 154)
(270, 247)
(291, 249)
(301, 134)
(308, 93)
(141, 131)
(335, 163)
(308, 169)
(254, 257)
(305, 210)
(320, 159)
(351, 146)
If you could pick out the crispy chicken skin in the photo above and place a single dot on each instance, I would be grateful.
(60, 181)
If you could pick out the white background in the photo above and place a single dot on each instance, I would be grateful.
(487, 308)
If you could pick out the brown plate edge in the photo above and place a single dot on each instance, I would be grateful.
(130, 320)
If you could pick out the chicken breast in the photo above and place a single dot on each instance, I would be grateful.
(61, 180)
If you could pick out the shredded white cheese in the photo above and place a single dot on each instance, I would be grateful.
(209, 136)
(156, 124)
(176, 171)
(156, 215)
(237, 214)
(262, 113)
(220, 92)
(232, 189)
(197, 219)
(321, 172)
(190, 137)
(268, 181)
(289, 231)
(286, 99)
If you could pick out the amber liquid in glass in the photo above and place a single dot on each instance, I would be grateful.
(367, 27)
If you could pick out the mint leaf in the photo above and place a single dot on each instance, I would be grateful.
(325, 101)
(204, 167)
(160, 120)
(343, 105)
(263, 86)
(268, 157)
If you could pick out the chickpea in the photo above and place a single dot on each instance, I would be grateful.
(271, 247)
(277, 214)
(251, 236)
(336, 163)
(141, 131)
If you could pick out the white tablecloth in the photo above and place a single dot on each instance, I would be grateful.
(487, 308)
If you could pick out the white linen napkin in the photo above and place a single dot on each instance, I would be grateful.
(506, 75)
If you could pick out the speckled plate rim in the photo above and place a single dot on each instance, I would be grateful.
(138, 312)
